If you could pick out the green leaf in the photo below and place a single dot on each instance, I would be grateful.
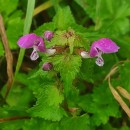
(80, 41)
(68, 66)
(46, 26)
(31, 124)
(124, 45)
(124, 72)
(125, 128)
(55, 4)
(14, 33)
(88, 6)
(63, 18)
(20, 90)
(108, 16)
(79, 28)
(48, 104)
(71, 43)
(8, 6)
(40, 124)
(108, 127)
(12, 125)
(87, 70)
(59, 38)
(115, 20)
(76, 123)
(38, 74)
(101, 109)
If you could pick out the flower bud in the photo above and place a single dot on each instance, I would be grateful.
(47, 66)
(85, 54)
(50, 51)
(48, 35)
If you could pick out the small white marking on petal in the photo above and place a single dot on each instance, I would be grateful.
(34, 55)
(99, 61)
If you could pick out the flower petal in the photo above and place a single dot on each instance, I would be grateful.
(93, 50)
(39, 44)
(27, 40)
(104, 45)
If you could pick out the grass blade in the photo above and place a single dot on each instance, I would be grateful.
(27, 25)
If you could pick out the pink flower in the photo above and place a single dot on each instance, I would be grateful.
(32, 41)
(103, 45)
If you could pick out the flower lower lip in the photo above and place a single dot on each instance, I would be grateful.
(34, 55)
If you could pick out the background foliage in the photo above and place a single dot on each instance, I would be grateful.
(74, 94)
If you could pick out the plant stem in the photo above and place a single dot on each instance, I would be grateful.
(14, 118)
(42, 7)
(8, 55)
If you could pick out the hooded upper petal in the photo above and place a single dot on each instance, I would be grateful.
(27, 41)
(104, 45)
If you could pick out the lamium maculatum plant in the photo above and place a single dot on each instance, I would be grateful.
(70, 65)
(66, 84)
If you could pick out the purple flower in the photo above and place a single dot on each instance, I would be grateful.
(103, 45)
(48, 35)
(32, 41)
(47, 66)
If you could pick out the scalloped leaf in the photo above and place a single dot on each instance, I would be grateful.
(68, 66)
(48, 104)
(64, 18)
